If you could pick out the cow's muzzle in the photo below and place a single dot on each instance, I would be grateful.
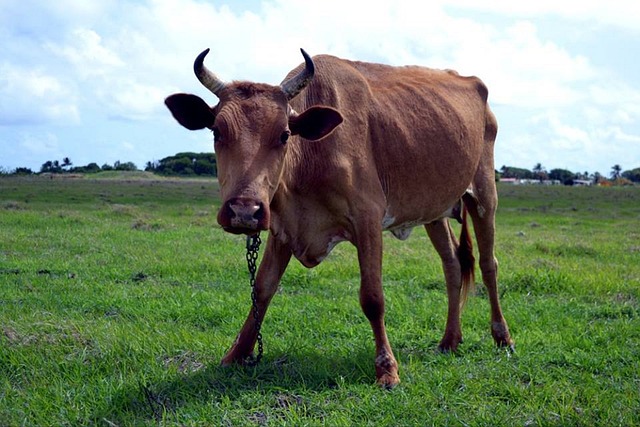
(243, 216)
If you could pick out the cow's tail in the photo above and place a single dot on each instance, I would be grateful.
(467, 261)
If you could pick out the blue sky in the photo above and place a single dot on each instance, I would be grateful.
(86, 80)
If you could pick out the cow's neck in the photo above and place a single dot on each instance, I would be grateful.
(296, 191)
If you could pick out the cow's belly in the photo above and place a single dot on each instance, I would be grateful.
(402, 226)
(313, 253)
(311, 249)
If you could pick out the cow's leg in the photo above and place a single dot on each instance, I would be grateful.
(369, 244)
(482, 208)
(274, 262)
(445, 243)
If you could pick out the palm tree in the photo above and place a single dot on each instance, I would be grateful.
(539, 172)
(615, 171)
(597, 178)
(46, 166)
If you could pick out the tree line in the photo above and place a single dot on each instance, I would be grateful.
(205, 164)
(181, 164)
(185, 164)
(567, 177)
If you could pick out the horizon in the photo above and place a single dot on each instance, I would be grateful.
(4, 170)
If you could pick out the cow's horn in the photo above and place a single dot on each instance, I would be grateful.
(293, 86)
(206, 77)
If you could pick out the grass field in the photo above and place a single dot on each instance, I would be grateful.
(119, 296)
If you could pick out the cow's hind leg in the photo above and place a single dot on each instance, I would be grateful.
(482, 207)
(369, 245)
(446, 245)
(274, 262)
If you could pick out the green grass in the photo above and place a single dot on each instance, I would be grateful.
(119, 295)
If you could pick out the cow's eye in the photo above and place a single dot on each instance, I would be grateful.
(216, 134)
(285, 136)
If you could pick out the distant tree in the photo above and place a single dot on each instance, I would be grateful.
(23, 171)
(632, 175)
(181, 166)
(513, 172)
(203, 164)
(46, 166)
(151, 166)
(597, 177)
(126, 166)
(615, 171)
(92, 167)
(66, 162)
(204, 167)
(563, 175)
(106, 167)
(539, 172)
(50, 167)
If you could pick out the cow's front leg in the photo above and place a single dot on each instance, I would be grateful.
(274, 262)
(369, 244)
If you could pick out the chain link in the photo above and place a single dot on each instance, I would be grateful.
(253, 246)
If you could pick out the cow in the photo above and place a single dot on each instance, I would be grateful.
(341, 151)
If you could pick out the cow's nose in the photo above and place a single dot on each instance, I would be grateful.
(245, 210)
(243, 214)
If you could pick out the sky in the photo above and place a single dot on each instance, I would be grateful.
(87, 80)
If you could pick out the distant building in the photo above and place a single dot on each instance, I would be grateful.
(516, 181)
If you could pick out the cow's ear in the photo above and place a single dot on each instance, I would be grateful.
(190, 111)
(315, 123)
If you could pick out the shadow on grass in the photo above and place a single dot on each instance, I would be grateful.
(157, 400)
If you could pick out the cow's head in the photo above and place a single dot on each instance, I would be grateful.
(252, 125)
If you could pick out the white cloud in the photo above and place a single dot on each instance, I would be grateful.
(557, 140)
(523, 70)
(616, 133)
(617, 13)
(45, 143)
(86, 52)
(29, 95)
(138, 99)
(127, 146)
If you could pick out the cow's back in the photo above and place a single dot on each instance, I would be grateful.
(411, 135)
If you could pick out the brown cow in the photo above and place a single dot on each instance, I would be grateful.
(400, 146)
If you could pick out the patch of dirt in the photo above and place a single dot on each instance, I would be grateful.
(143, 225)
(185, 362)
(12, 205)
(286, 401)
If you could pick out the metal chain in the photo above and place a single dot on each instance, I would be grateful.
(253, 246)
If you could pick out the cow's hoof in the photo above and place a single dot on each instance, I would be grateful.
(449, 343)
(509, 345)
(235, 359)
(227, 362)
(387, 370)
(388, 381)
(501, 336)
